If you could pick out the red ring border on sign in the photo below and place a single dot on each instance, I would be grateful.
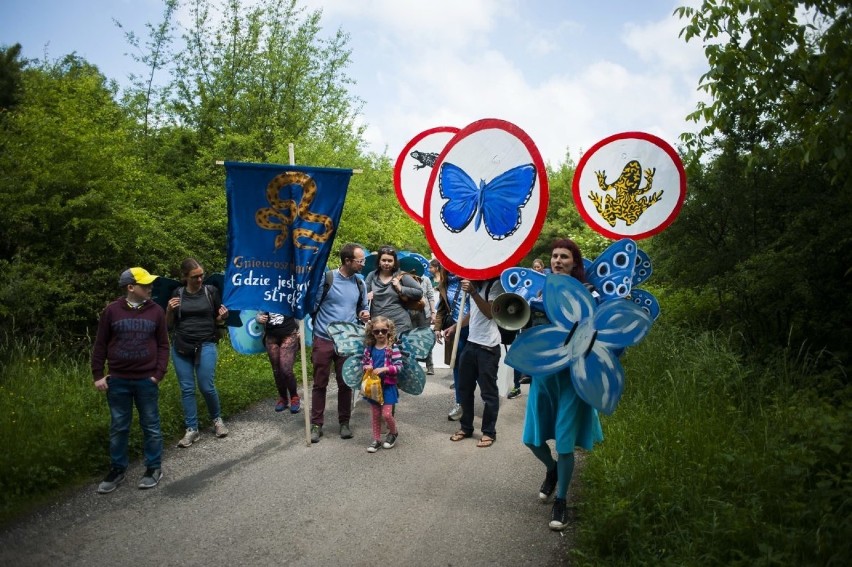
(657, 141)
(397, 170)
(525, 247)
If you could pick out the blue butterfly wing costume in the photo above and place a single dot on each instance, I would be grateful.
(414, 344)
(349, 341)
(642, 298)
(582, 337)
(612, 272)
(497, 203)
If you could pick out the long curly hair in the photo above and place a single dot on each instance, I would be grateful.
(370, 339)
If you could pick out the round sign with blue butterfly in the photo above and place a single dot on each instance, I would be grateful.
(414, 165)
(629, 185)
(486, 200)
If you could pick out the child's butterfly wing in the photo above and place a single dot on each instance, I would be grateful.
(162, 289)
(411, 379)
(612, 272)
(417, 342)
(647, 301)
(462, 194)
(504, 197)
(247, 338)
(348, 338)
(643, 269)
(353, 372)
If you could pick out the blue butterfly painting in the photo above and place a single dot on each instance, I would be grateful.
(612, 272)
(582, 337)
(349, 341)
(497, 203)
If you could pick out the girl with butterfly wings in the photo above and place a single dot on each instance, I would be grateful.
(383, 358)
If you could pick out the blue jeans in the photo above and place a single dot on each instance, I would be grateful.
(204, 371)
(121, 395)
(479, 368)
(462, 341)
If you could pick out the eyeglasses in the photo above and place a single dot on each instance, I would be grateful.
(197, 277)
(387, 251)
(360, 262)
(380, 331)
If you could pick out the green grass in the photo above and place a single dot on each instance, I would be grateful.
(54, 425)
(708, 461)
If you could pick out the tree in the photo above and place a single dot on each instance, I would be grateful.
(779, 72)
(765, 228)
(77, 205)
(10, 77)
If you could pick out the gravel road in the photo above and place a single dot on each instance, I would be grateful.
(262, 497)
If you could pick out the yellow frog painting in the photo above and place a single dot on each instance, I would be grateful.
(628, 204)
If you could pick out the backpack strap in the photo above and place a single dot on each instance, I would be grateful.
(329, 276)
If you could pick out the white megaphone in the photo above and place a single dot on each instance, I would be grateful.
(511, 310)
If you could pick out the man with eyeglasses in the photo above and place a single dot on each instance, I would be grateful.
(344, 300)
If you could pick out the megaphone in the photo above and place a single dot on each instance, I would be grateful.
(510, 311)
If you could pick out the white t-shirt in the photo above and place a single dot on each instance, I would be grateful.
(482, 330)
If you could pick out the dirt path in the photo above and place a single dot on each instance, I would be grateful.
(261, 497)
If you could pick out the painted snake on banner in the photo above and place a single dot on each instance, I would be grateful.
(283, 212)
(628, 204)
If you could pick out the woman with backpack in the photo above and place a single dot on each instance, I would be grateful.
(194, 312)
(392, 293)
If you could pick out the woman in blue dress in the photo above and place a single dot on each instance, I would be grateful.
(555, 411)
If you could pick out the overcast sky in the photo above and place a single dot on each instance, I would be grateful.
(568, 72)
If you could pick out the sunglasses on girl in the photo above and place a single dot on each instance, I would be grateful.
(380, 331)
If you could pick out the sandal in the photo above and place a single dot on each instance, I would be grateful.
(485, 442)
(459, 435)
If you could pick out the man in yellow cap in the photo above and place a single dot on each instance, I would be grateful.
(133, 342)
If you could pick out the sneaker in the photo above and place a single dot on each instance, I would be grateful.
(316, 433)
(374, 446)
(295, 404)
(219, 428)
(455, 413)
(549, 484)
(111, 481)
(191, 436)
(559, 515)
(151, 478)
(514, 393)
(280, 405)
(390, 440)
(525, 379)
(430, 371)
(345, 432)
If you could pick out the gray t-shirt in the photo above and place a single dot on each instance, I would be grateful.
(386, 300)
(195, 320)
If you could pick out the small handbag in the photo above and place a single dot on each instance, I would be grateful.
(371, 387)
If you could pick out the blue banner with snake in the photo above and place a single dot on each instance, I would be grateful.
(282, 220)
